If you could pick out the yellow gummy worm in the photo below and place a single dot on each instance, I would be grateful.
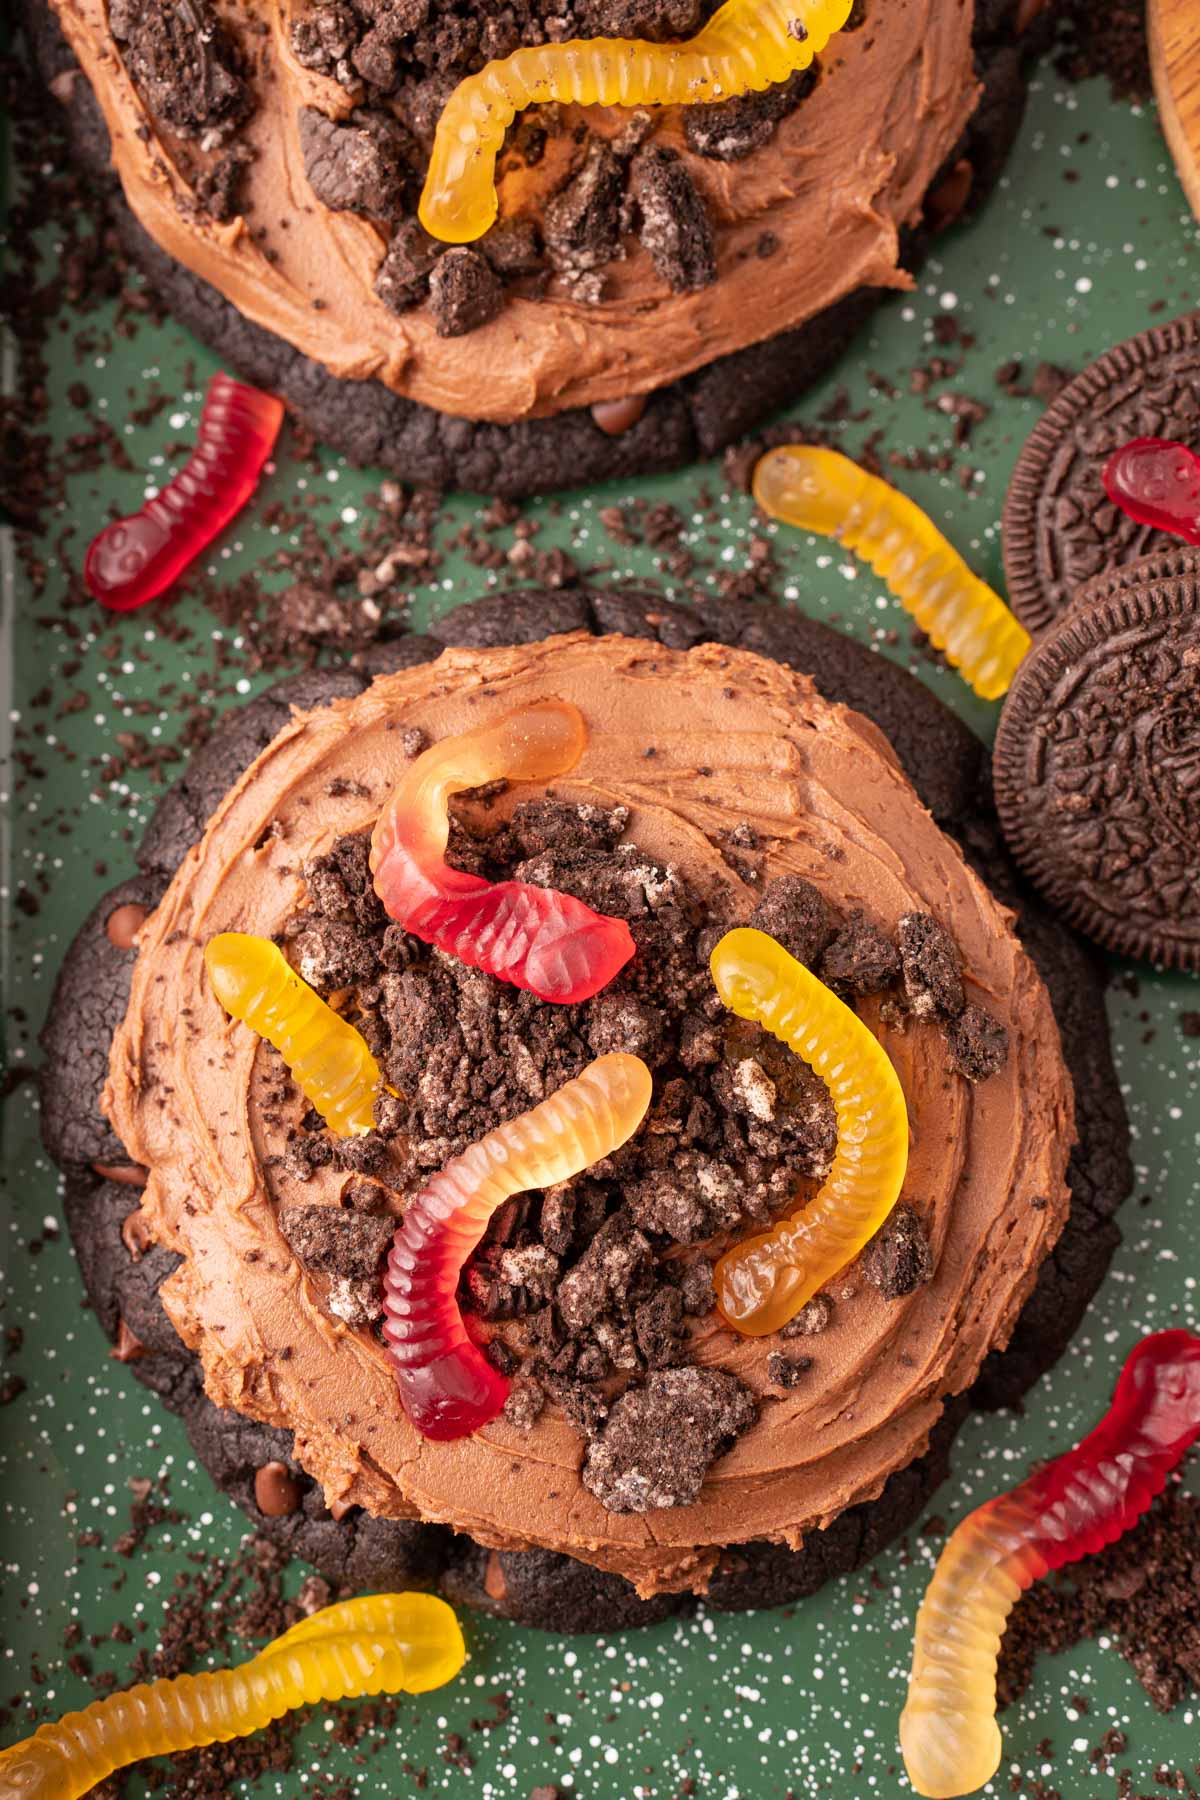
(950, 1737)
(328, 1058)
(380, 1644)
(764, 1281)
(820, 491)
(747, 45)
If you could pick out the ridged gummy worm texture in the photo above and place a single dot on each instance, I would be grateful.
(329, 1060)
(746, 46)
(447, 1386)
(823, 492)
(764, 1281)
(134, 559)
(379, 1644)
(534, 937)
(1072, 1508)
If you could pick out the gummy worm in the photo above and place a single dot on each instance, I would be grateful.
(534, 937)
(1073, 1507)
(134, 559)
(764, 1281)
(329, 1060)
(380, 1644)
(1157, 482)
(447, 1386)
(820, 491)
(747, 45)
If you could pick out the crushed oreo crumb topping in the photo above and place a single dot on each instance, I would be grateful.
(899, 1259)
(659, 1441)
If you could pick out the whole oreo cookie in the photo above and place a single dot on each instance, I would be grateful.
(255, 1464)
(1060, 528)
(682, 421)
(1097, 762)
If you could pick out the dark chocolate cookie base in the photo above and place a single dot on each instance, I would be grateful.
(686, 420)
(540, 1588)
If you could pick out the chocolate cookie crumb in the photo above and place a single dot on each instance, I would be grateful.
(813, 1317)
(658, 1327)
(464, 292)
(403, 278)
(796, 915)
(898, 1260)
(357, 166)
(183, 63)
(932, 967)
(978, 1043)
(524, 1405)
(696, 1288)
(606, 1275)
(787, 1371)
(582, 224)
(659, 1441)
(729, 130)
(675, 228)
(861, 959)
(347, 1244)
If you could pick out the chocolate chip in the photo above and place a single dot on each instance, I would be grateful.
(898, 1260)
(326, 1239)
(931, 966)
(978, 1043)
(658, 1442)
(615, 417)
(128, 1174)
(464, 292)
(946, 203)
(675, 228)
(795, 914)
(276, 1490)
(123, 924)
(128, 1347)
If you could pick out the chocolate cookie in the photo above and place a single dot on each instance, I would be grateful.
(1060, 528)
(1096, 764)
(681, 422)
(255, 1464)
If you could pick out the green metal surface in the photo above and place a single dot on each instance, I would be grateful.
(1088, 234)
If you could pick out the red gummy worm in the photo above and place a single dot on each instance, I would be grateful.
(1157, 482)
(533, 937)
(134, 559)
(448, 1388)
(1073, 1507)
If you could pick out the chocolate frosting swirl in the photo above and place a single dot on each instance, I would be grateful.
(835, 185)
(735, 739)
